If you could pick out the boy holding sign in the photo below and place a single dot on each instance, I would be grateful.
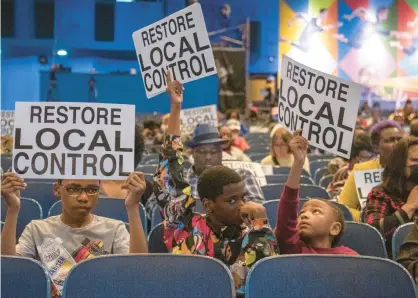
(233, 230)
(319, 224)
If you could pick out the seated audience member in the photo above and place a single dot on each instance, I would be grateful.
(335, 164)
(206, 146)
(358, 131)
(6, 145)
(408, 253)
(361, 151)
(376, 116)
(319, 224)
(235, 115)
(113, 188)
(231, 152)
(384, 137)
(76, 234)
(280, 154)
(233, 230)
(237, 140)
(414, 127)
(395, 202)
(408, 112)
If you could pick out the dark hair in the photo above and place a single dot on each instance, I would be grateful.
(339, 217)
(323, 10)
(139, 145)
(379, 127)
(229, 114)
(212, 181)
(414, 127)
(360, 143)
(394, 179)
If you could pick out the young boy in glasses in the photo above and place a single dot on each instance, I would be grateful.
(61, 241)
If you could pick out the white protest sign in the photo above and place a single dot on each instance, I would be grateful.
(190, 118)
(178, 43)
(74, 140)
(7, 122)
(253, 167)
(323, 106)
(365, 181)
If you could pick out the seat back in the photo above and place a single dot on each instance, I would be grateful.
(314, 157)
(107, 207)
(257, 156)
(273, 191)
(318, 276)
(318, 164)
(319, 174)
(43, 192)
(399, 237)
(156, 240)
(286, 171)
(6, 162)
(364, 239)
(277, 179)
(29, 210)
(325, 181)
(23, 277)
(147, 169)
(148, 275)
(273, 206)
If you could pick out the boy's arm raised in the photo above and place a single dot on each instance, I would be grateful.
(286, 226)
(11, 185)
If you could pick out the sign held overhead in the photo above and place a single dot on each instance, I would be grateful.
(365, 181)
(323, 106)
(179, 43)
(74, 140)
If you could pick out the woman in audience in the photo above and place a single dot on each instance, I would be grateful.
(361, 151)
(395, 202)
(230, 152)
(280, 154)
(408, 254)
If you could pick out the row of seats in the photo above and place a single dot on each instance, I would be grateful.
(167, 275)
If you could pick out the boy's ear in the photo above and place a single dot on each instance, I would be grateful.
(57, 190)
(207, 205)
(335, 229)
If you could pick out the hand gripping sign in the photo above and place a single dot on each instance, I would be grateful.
(178, 43)
(323, 106)
(74, 140)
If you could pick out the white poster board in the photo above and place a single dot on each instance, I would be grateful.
(178, 43)
(190, 118)
(323, 106)
(74, 140)
(7, 122)
(365, 182)
(253, 167)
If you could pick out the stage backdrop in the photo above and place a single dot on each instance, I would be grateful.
(373, 42)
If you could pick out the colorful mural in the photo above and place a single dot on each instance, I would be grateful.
(372, 42)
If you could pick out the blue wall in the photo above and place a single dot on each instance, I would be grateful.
(74, 29)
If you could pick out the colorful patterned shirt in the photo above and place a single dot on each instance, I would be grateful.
(187, 232)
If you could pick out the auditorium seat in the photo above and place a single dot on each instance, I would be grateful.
(277, 179)
(364, 239)
(149, 275)
(320, 173)
(6, 162)
(286, 171)
(273, 205)
(318, 164)
(319, 276)
(313, 157)
(147, 169)
(156, 241)
(29, 210)
(43, 192)
(257, 156)
(399, 238)
(273, 191)
(325, 181)
(23, 277)
(147, 157)
(106, 207)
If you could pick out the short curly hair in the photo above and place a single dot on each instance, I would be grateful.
(212, 181)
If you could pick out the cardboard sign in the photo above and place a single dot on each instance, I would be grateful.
(74, 140)
(190, 118)
(323, 106)
(7, 122)
(178, 43)
(365, 182)
(253, 167)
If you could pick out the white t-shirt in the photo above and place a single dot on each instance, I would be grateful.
(59, 247)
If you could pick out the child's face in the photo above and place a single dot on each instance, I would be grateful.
(226, 207)
(317, 220)
(78, 197)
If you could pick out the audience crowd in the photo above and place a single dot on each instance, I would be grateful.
(212, 210)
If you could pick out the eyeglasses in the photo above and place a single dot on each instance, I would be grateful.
(203, 151)
(76, 190)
